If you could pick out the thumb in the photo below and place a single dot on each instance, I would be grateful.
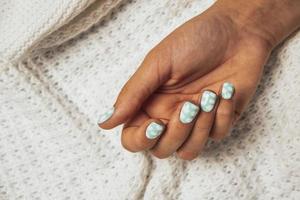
(152, 73)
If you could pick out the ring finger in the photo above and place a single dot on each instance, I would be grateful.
(200, 133)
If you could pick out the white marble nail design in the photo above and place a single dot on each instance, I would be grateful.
(227, 90)
(188, 112)
(154, 130)
(208, 101)
(105, 116)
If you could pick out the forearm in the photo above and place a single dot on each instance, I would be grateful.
(272, 20)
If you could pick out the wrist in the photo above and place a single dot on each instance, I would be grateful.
(270, 20)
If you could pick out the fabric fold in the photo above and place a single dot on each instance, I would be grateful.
(26, 24)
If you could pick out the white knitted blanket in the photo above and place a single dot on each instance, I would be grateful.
(55, 80)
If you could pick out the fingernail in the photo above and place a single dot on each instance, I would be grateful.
(208, 101)
(188, 112)
(227, 90)
(154, 130)
(105, 116)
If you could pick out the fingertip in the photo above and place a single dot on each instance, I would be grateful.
(115, 116)
(143, 137)
(154, 129)
(227, 91)
(107, 125)
(105, 118)
(225, 113)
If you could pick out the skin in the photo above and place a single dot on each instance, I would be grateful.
(230, 42)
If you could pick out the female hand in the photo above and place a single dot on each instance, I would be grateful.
(199, 79)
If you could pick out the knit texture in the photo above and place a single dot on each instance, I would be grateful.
(51, 97)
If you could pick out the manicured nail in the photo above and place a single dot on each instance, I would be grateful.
(105, 116)
(188, 112)
(227, 90)
(154, 130)
(208, 101)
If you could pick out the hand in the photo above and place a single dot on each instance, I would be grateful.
(160, 103)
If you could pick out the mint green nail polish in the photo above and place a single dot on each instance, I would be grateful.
(188, 112)
(154, 130)
(208, 101)
(105, 116)
(227, 90)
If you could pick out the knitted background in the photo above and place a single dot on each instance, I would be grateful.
(51, 97)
